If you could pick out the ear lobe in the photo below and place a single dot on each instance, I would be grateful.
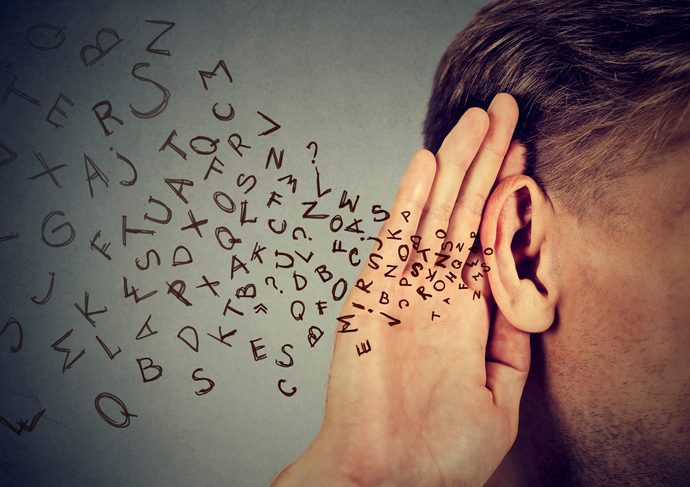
(517, 225)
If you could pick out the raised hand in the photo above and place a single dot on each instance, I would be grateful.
(413, 396)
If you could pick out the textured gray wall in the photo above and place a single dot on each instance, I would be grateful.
(352, 76)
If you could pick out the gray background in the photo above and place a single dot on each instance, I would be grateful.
(352, 76)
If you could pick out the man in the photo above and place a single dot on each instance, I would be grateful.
(582, 202)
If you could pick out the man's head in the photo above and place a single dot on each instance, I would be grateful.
(590, 231)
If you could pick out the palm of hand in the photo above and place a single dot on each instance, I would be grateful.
(412, 397)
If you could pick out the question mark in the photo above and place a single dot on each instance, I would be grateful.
(273, 280)
(316, 150)
(304, 234)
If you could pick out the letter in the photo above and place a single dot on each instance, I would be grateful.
(292, 391)
(416, 240)
(195, 224)
(256, 348)
(151, 365)
(193, 340)
(476, 295)
(441, 259)
(300, 281)
(208, 389)
(212, 167)
(67, 364)
(324, 273)
(384, 298)
(168, 143)
(283, 226)
(222, 336)
(241, 179)
(365, 348)
(434, 315)
(58, 33)
(48, 170)
(237, 264)
(336, 223)
(123, 410)
(320, 193)
(256, 253)
(424, 295)
(337, 246)
(275, 198)
(374, 265)
(404, 282)
(439, 285)
(148, 260)
(312, 336)
(168, 212)
(147, 328)
(377, 210)
(354, 226)
(391, 269)
(227, 209)
(111, 355)
(231, 240)
(126, 230)
(248, 291)
(150, 48)
(280, 363)
(275, 125)
(416, 267)
(103, 249)
(235, 141)
(213, 143)
(243, 214)
(485, 267)
(11, 155)
(56, 108)
(105, 115)
(101, 52)
(286, 266)
(307, 214)
(178, 190)
(345, 201)
(67, 224)
(131, 166)
(158, 109)
(210, 285)
(321, 306)
(20, 338)
(345, 320)
(477, 276)
(230, 308)
(10, 236)
(299, 315)
(362, 286)
(305, 259)
(97, 174)
(177, 288)
(23, 424)
(393, 235)
(85, 310)
(134, 292)
(406, 215)
(290, 181)
(451, 277)
(392, 321)
(277, 159)
(379, 243)
(12, 90)
(224, 118)
(182, 262)
(46, 298)
(210, 74)
(431, 275)
(400, 303)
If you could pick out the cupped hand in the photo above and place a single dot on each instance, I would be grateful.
(414, 397)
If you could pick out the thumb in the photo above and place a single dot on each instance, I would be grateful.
(507, 365)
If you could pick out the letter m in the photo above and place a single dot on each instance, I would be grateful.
(210, 74)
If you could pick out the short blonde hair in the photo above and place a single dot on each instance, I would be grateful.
(602, 85)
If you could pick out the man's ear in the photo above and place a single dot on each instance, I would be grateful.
(517, 224)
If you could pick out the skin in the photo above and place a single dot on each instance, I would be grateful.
(604, 305)
(606, 400)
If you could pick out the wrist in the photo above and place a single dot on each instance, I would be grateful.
(318, 465)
